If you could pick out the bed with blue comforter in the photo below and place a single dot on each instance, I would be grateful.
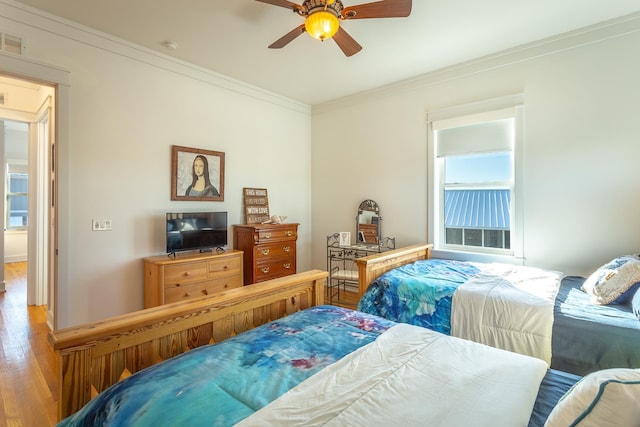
(584, 337)
(419, 293)
(224, 383)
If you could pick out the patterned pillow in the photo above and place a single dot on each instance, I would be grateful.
(615, 282)
(603, 398)
(635, 304)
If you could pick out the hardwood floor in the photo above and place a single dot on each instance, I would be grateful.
(28, 390)
(347, 299)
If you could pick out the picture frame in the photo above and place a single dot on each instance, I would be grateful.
(345, 238)
(197, 174)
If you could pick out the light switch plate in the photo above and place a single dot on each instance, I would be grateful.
(101, 224)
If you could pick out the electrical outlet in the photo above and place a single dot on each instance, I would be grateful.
(101, 224)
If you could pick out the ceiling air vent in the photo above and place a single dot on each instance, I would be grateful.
(11, 43)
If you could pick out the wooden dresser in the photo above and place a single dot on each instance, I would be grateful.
(269, 250)
(169, 279)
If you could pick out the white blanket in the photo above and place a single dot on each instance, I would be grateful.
(508, 307)
(411, 376)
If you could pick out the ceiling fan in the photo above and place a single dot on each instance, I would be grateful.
(322, 19)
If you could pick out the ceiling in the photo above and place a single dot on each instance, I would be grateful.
(231, 37)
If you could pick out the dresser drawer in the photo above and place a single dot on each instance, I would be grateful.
(224, 266)
(276, 268)
(264, 252)
(284, 233)
(183, 292)
(192, 272)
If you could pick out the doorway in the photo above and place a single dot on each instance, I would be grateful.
(26, 109)
(14, 158)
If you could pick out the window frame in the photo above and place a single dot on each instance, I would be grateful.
(479, 112)
(15, 168)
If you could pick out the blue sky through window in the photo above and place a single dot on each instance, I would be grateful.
(477, 168)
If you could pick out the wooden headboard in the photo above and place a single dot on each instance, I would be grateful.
(96, 355)
(373, 266)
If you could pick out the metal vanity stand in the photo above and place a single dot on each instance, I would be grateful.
(342, 284)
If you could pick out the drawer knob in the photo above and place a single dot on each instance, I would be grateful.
(287, 248)
(226, 285)
(188, 294)
(265, 252)
(204, 291)
(287, 265)
(265, 269)
(267, 235)
(225, 267)
(187, 273)
(289, 233)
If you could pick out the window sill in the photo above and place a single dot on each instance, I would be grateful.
(475, 256)
(16, 231)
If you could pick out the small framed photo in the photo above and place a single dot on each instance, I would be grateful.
(345, 238)
(197, 174)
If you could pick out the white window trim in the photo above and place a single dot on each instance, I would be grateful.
(473, 113)
(18, 166)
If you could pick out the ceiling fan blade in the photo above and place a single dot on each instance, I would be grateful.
(283, 3)
(379, 9)
(287, 38)
(346, 43)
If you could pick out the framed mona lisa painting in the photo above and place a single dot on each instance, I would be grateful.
(197, 174)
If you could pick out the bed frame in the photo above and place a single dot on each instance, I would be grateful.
(373, 266)
(94, 356)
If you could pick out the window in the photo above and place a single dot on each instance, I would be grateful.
(17, 197)
(477, 199)
(473, 157)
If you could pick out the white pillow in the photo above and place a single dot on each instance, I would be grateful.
(615, 282)
(610, 397)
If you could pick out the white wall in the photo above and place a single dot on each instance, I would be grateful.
(15, 246)
(126, 107)
(581, 150)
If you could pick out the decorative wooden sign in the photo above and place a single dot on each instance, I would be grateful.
(256, 205)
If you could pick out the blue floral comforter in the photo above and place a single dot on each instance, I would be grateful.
(419, 293)
(221, 384)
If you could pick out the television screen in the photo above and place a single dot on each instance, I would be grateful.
(187, 231)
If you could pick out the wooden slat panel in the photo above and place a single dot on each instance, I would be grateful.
(73, 389)
(223, 329)
(260, 315)
(200, 335)
(243, 322)
(277, 310)
(139, 357)
(101, 372)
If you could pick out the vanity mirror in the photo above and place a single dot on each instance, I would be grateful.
(368, 223)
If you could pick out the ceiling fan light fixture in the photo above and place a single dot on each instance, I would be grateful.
(322, 24)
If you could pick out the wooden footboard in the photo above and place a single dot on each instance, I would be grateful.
(372, 266)
(96, 355)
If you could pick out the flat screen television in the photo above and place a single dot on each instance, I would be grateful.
(189, 231)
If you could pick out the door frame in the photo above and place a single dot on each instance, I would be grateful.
(57, 261)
